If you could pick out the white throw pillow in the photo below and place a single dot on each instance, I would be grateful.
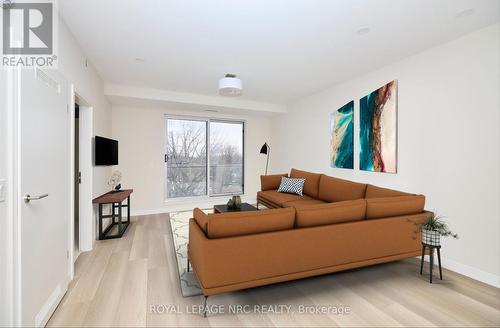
(292, 186)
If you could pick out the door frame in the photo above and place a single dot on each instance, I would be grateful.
(10, 300)
(86, 240)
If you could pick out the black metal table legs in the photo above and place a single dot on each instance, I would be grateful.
(116, 220)
(205, 299)
(431, 260)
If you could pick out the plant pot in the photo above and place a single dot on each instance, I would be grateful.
(431, 237)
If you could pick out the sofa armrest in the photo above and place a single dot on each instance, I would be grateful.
(197, 247)
(271, 182)
(201, 219)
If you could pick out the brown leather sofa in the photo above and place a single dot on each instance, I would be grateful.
(337, 225)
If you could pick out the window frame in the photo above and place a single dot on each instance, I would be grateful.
(207, 121)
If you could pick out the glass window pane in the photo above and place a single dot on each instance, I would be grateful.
(186, 158)
(226, 158)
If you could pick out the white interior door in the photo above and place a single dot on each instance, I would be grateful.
(44, 164)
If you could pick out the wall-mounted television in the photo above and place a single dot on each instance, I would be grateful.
(106, 151)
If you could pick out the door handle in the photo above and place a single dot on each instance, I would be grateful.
(29, 198)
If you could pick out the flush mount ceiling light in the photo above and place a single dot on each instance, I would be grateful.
(230, 86)
(464, 13)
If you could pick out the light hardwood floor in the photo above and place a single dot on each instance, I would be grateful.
(117, 283)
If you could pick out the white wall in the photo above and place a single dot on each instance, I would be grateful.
(448, 141)
(141, 133)
(90, 87)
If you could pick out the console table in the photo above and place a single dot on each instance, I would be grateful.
(115, 198)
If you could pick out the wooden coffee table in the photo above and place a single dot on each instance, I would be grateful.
(245, 207)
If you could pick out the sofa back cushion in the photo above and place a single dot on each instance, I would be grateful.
(311, 185)
(271, 182)
(394, 206)
(331, 213)
(247, 223)
(379, 192)
(337, 190)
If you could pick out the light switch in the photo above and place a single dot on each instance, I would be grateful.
(3, 187)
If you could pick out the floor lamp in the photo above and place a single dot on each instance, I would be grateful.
(266, 150)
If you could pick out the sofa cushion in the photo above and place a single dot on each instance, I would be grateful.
(246, 223)
(337, 190)
(201, 218)
(378, 192)
(271, 182)
(394, 206)
(312, 181)
(279, 198)
(303, 202)
(330, 213)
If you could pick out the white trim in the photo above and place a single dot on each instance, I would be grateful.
(468, 271)
(50, 305)
(16, 197)
(474, 273)
(71, 240)
(86, 230)
(8, 301)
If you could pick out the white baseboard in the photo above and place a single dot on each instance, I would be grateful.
(49, 307)
(148, 212)
(467, 270)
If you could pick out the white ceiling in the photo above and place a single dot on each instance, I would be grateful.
(281, 49)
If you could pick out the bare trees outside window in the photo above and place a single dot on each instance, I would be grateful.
(189, 157)
(186, 158)
(226, 158)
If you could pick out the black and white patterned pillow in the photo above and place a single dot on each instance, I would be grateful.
(291, 186)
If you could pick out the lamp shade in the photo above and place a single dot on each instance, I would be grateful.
(264, 149)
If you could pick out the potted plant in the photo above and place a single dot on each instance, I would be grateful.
(433, 228)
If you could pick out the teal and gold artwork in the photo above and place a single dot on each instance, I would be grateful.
(378, 130)
(342, 137)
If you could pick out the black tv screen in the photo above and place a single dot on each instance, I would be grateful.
(106, 151)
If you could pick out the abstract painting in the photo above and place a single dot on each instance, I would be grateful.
(378, 130)
(342, 137)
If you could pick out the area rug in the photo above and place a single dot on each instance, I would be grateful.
(179, 227)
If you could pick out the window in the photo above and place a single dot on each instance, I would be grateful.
(186, 158)
(226, 158)
(204, 157)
